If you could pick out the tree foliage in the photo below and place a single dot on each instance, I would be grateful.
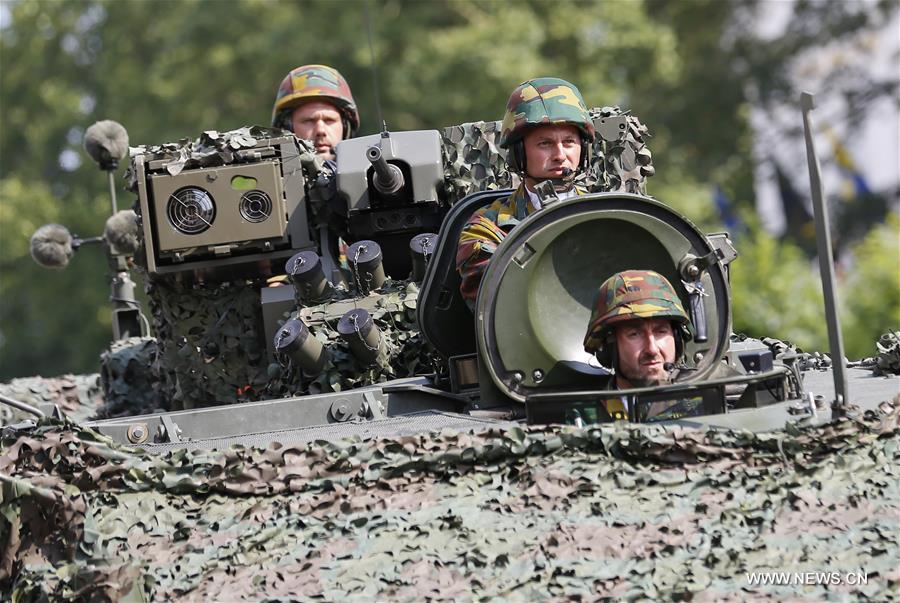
(169, 70)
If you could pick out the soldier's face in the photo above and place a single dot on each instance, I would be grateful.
(644, 347)
(551, 149)
(319, 122)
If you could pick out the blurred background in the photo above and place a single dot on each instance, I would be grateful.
(717, 83)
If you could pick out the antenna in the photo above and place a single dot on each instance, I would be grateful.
(374, 68)
(826, 263)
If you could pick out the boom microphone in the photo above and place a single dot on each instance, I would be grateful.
(51, 246)
(106, 142)
(121, 232)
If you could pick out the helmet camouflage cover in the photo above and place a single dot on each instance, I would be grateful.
(628, 295)
(316, 82)
(542, 101)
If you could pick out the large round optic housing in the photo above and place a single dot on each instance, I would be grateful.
(191, 210)
(256, 206)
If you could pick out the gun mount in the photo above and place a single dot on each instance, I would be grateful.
(392, 186)
(388, 179)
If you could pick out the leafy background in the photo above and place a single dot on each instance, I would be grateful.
(169, 70)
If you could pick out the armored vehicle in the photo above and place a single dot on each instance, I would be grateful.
(320, 415)
(367, 332)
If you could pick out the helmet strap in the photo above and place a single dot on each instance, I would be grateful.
(679, 344)
(516, 158)
(606, 352)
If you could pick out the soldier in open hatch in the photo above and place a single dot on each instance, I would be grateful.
(548, 132)
(638, 327)
(315, 103)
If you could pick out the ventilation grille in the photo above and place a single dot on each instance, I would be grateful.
(191, 210)
(256, 206)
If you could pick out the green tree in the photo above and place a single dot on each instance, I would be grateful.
(776, 292)
(871, 289)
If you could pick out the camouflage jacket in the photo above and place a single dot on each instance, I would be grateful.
(484, 231)
(655, 411)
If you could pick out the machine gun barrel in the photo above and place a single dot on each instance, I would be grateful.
(388, 179)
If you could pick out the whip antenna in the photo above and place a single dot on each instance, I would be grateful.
(374, 67)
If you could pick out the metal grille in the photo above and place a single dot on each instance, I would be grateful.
(256, 206)
(423, 422)
(191, 210)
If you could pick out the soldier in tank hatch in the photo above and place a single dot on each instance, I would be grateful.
(315, 103)
(547, 132)
(638, 327)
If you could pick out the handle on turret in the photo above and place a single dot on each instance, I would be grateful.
(697, 310)
(388, 179)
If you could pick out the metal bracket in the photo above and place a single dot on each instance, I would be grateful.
(721, 242)
(696, 293)
(170, 429)
(691, 266)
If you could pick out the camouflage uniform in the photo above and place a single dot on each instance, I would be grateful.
(535, 103)
(310, 83)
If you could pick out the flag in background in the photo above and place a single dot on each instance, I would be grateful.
(800, 226)
(859, 207)
(855, 184)
(727, 214)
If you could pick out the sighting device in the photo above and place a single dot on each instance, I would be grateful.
(232, 204)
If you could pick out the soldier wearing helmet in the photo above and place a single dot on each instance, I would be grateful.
(547, 132)
(314, 102)
(638, 327)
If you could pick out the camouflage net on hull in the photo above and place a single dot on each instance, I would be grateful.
(619, 511)
(77, 396)
(132, 378)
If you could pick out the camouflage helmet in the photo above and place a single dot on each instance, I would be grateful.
(542, 101)
(632, 294)
(315, 82)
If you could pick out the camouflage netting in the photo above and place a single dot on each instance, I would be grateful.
(620, 160)
(131, 378)
(888, 359)
(211, 343)
(620, 511)
(78, 396)
(403, 350)
(211, 148)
